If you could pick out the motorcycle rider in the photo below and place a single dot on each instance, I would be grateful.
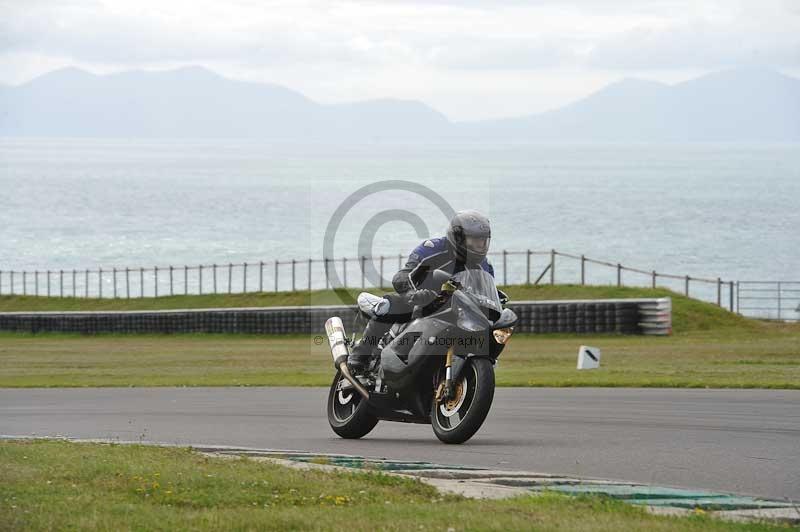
(465, 246)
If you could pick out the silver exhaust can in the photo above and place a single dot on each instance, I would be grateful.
(337, 340)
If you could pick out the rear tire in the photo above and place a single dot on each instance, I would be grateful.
(348, 415)
(460, 422)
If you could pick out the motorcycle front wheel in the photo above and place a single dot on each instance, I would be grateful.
(456, 420)
(347, 410)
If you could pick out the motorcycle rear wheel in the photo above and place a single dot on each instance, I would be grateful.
(458, 420)
(347, 411)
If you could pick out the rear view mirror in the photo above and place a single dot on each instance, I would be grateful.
(507, 319)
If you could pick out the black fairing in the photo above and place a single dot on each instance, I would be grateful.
(407, 354)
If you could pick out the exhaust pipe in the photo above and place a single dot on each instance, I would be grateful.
(338, 342)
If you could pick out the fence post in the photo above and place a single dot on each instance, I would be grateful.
(1, 282)
(276, 275)
(186, 279)
(344, 262)
(35, 282)
(779, 301)
(294, 265)
(583, 270)
(552, 266)
(155, 281)
(85, 283)
(230, 276)
(48, 282)
(61, 283)
(12, 283)
(24, 283)
(719, 292)
(100, 283)
(73, 284)
(115, 281)
(686, 289)
(731, 295)
(244, 278)
(654, 278)
(528, 267)
(127, 283)
(738, 310)
(363, 262)
(309, 275)
(171, 290)
(327, 278)
(141, 282)
(214, 277)
(505, 267)
(261, 276)
(381, 276)
(200, 279)
(619, 274)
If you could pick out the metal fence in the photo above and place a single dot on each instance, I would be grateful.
(511, 267)
(772, 300)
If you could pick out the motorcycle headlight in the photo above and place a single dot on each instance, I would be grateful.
(501, 336)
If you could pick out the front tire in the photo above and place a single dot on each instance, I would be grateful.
(458, 420)
(347, 411)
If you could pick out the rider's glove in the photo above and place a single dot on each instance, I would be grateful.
(422, 297)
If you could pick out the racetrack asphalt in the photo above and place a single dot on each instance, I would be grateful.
(741, 441)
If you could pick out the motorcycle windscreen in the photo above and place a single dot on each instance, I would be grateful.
(479, 286)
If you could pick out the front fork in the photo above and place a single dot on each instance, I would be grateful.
(445, 389)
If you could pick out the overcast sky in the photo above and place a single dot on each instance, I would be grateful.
(468, 59)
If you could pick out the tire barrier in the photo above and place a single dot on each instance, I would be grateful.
(616, 316)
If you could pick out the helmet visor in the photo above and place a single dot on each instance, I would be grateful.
(477, 244)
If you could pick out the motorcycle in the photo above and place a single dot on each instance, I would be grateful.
(437, 369)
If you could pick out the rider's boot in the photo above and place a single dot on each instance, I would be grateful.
(362, 352)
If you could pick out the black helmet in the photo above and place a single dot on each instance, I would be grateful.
(469, 235)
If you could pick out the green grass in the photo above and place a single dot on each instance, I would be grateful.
(730, 358)
(710, 348)
(263, 299)
(58, 485)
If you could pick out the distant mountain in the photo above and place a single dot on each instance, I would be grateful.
(735, 105)
(194, 102)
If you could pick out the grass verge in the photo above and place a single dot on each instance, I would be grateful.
(726, 359)
(60, 485)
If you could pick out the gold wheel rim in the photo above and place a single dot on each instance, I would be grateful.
(451, 404)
